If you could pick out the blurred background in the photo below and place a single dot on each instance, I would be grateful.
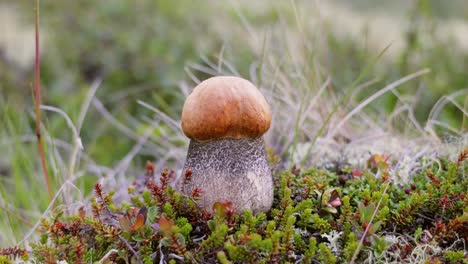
(119, 72)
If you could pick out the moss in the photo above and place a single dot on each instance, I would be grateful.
(5, 260)
(454, 256)
(298, 228)
(326, 256)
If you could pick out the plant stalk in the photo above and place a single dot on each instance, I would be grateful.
(37, 101)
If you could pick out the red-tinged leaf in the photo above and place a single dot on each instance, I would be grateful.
(463, 156)
(132, 212)
(187, 176)
(98, 189)
(124, 223)
(196, 193)
(149, 169)
(357, 173)
(82, 213)
(165, 225)
(379, 161)
(139, 222)
(222, 209)
(59, 225)
(143, 211)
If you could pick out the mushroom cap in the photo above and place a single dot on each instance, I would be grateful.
(225, 107)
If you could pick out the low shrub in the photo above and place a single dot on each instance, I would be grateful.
(318, 215)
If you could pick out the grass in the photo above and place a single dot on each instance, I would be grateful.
(37, 100)
(323, 90)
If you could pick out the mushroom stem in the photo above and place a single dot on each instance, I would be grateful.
(234, 170)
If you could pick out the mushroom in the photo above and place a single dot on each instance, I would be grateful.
(225, 118)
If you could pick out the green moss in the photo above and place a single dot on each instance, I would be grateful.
(320, 224)
(294, 229)
(454, 256)
(5, 260)
(325, 254)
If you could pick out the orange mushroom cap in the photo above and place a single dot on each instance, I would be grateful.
(225, 107)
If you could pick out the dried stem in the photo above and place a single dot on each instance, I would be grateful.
(18, 217)
(37, 102)
(137, 256)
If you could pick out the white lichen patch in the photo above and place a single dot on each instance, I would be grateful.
(406, 156)
(333, 242)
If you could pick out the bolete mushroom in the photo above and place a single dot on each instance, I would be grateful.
(225, 118)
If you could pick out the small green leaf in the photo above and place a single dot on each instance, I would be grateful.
(330, 209)
(152, 214)
(375, 227)
(181, 238)
(211, 225)
(165, 242)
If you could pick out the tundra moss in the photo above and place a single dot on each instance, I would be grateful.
(312, 220)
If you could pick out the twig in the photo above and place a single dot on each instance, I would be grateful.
(108, 254)
(37, 103)
(137, 256)
(172, 255)
(425, 217)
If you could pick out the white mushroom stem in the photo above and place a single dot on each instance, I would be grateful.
(234, 170)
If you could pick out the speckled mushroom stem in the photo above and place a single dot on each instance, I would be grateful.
(233, 170)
